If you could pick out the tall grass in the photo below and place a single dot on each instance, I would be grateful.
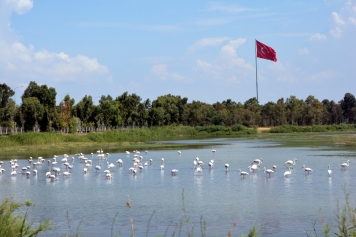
(18, 225)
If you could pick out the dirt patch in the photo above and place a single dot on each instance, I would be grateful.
(259, 130)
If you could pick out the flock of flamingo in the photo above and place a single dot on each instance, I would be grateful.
(54, 169)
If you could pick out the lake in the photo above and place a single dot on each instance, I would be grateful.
(161, 203)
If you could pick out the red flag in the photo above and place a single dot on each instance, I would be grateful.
(266, 52)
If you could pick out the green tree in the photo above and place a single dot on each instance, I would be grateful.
(294, 108)
(253, 111)
(47, 98)
(128, 107)
(32, 111)
(84, 111)
(348, 105)
(110, 112)
(313, 111)
(7, 105)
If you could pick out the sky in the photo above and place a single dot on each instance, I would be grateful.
(202, 50)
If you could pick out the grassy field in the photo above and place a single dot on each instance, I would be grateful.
(328, 137)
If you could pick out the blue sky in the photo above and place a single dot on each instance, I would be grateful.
(202, 50)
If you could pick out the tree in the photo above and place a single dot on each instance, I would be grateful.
(348, 105)
(109, 110)
(128, 106)
(7, 105)
(173, 107)
(294, 109)
(32, 111)
(254, 110)
(84, 110)
(47, 98)
(313, 110)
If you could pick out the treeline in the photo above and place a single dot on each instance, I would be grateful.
(39, 110)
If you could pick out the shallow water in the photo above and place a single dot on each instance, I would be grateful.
(280, 206)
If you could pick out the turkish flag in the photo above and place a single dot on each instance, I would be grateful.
(266, 52)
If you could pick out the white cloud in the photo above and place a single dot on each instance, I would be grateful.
(352, 20)
(317, 36)
(208, 42)
(325, 75)
(19, 6)
(337, 19)
(227, 64)
(227, 8)
(20, 61)
(160, 71)
(228, 57)
(336, 32)
(303, 51)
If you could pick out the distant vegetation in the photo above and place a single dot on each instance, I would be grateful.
(130, 135)
(39, 111)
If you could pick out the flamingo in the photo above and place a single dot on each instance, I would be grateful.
(199, 169)
(174, 171)
(253, 168)
(227, 167)
(98, 167)
(213, 150)
(290, 162)
(111, 165)
(274, 167)
(268, 171)
(329, 171)
(66, 173)
(120, 162)
(34, 172)
(287, 173)
(258, 161)
(162, 167)
(179, 152)
(243, 173)
(344, 165)
(307, 169)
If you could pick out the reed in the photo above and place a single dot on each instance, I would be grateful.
(12, 224)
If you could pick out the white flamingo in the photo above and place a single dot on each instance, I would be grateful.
(291, 162)
(258, 161)
(329, 171)
(213, 150)
(243, 173)
(344, 165)
(268, 171)
(307, 169)
(227, 167)
(287, 173)
(174, 171)
(253, 168)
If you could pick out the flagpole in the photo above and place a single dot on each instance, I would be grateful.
(256, 69)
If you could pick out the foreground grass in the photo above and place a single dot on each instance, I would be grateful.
(18, 225)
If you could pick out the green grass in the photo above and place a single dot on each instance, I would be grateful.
(17, 224)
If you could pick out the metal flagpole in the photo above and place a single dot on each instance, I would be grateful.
(256, 68)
